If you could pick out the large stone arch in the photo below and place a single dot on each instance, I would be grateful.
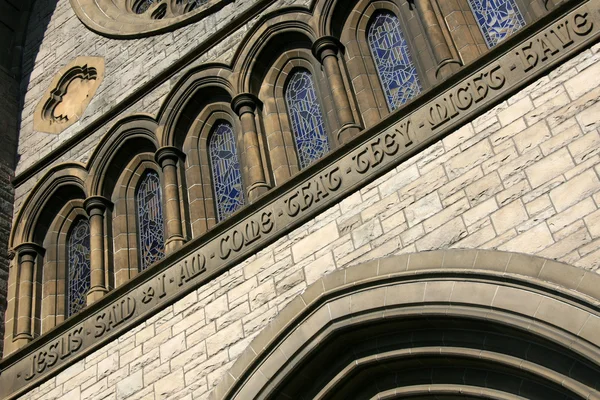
(470, 323)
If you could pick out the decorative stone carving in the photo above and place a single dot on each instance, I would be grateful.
(69, 94)
(137, 18)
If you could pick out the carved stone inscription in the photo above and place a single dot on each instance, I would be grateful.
(368, 160)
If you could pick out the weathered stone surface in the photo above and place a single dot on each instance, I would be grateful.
(511, 186)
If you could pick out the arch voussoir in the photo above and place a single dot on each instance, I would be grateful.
(504, 313)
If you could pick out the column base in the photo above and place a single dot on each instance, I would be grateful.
(95, 294)
(347, 133)
(447, 68)
(21, 340)
(257, 190)
(173, 244)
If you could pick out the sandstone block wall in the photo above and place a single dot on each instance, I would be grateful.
(8, 136)
(523, 177)
(56, 36)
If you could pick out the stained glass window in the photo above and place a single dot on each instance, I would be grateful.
(151, 228)
(497, 19)
(392, 57)
(226, 174)
(78, 257)
(143, 6)
(307, 118)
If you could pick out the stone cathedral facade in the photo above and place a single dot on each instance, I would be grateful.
(300, 199)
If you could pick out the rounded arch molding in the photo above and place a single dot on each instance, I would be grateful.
(122, 19)
(466, 323)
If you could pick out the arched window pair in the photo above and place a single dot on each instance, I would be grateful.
(150, 224)
(497, 19)
(398, 78)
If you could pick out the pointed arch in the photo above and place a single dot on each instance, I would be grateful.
(201, 86)
(283, 30)
(60, 184)
(527, 325)
(132, 135)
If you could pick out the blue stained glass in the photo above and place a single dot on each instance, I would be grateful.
(226, 174)
(497, 19)
(78, 257)
(151, 226)
(143, 6)
(396, 69)
(307, 118)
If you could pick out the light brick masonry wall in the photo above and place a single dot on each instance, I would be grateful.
(523, 177)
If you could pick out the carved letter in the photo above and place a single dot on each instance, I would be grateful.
(480, 88)
(76, 339)
(31, 373)
(463, 98)
(547, 47)
(438, 115)
(224, 251)
(100, 325)
(529, 57)
(52, 354)
(496, 78)
(252, 232)
(41, 363)
(335, 180)
(582, 25)
(161, 286)
(362, 165)
(562, 34)
(376, 152)
(292, 207)
(266, 222)
(307, 196)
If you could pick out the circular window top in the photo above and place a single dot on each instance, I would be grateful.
(137, 18)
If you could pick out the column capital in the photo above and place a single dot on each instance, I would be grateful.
(244, 103)
(30, 249)
(96, 204)
(325, 46)
(168, 155)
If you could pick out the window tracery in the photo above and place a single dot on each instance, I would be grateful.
(226, 172)
(306, 117)
(151, 227)
(397, 72)
(79, 271)
(143, 6)
(497, 19)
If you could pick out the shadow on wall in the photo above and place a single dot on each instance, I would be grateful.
(22, 27)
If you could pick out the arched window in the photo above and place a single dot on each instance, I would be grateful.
(497, 19)
(151, 226)
(392, 57)
(226, 173)
(306, 116)
(78, 259)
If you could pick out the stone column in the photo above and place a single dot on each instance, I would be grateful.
(325, 49)
(28, 254)
(96, 208)
(446, 64)
(168, 159)
(245, 105)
